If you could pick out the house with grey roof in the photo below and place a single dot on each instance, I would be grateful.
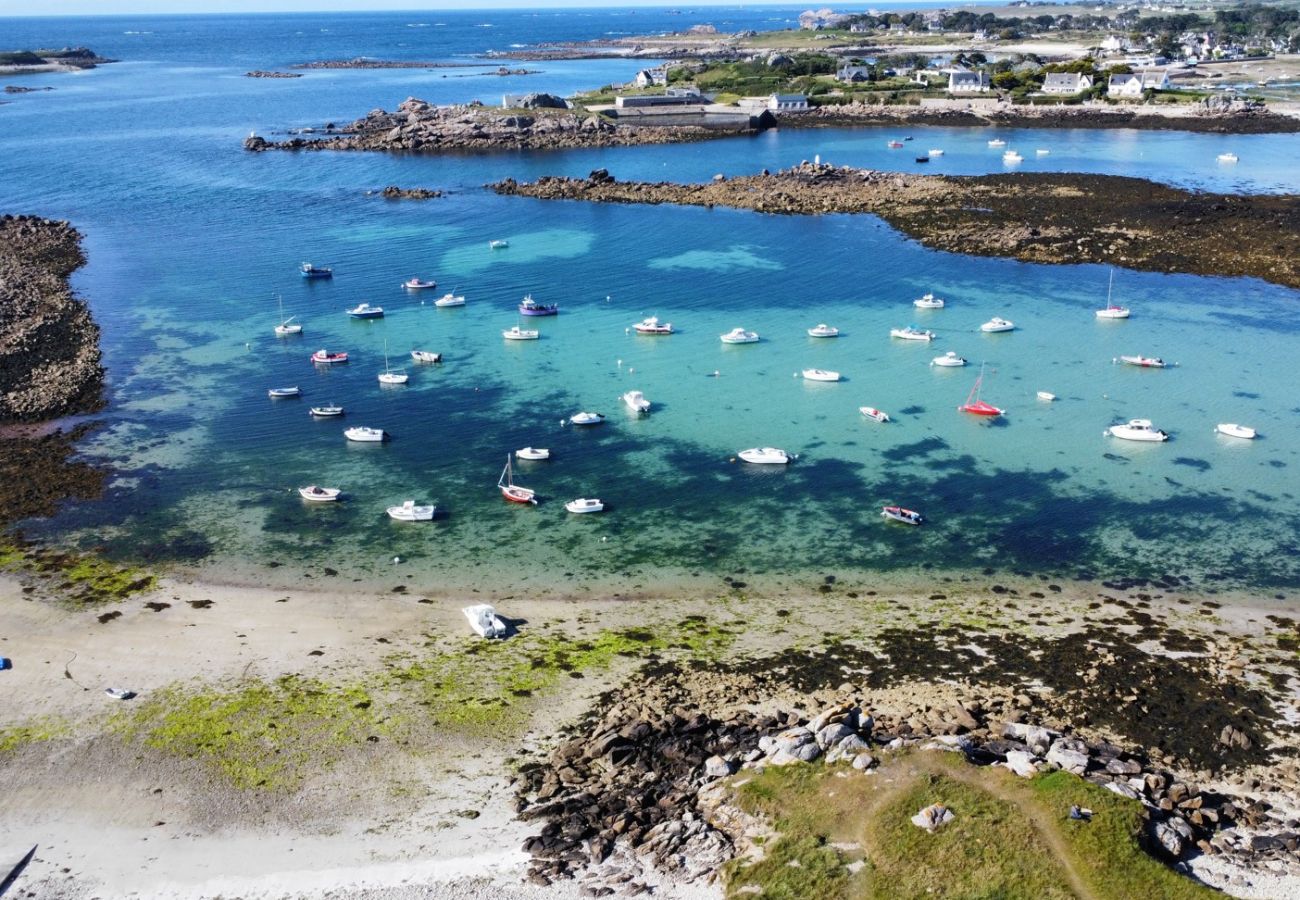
(1066, 83)
(969, 83)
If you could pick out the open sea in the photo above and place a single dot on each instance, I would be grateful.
(190, 240)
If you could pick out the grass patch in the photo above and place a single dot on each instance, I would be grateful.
(78, 578)
(35, 731)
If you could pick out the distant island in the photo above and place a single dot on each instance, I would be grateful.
(24, 62)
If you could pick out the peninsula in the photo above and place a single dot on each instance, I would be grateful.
(1034, 217)
(25, 62)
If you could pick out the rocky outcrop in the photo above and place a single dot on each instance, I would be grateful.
(259, 73)
(393, 192)
(1035, 217)
(49, 344)
(420, 127)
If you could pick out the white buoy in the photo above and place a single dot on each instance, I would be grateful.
(397, 559)
(620, 363)
(630, 370)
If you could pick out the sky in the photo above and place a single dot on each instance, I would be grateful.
(133, 7)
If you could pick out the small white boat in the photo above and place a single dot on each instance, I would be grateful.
(325, 412)
(1046, 395)
(410, 511)
(532, 453)
(997, 142)
(911, 333)
(277, 393)
(765, 456)
(287, 327)
(652, 325)
(934, 152)
(636, 402)
(1042, 152)
(363, 435)
(366, 311)
(1237, 431)
(586, 418)
(899, 514)
(1113, 312)
(319, 494)
(498, 245)
(1137, 430)
(515, 333)
(823, 331)
(997, 324)
(1012, 156)
(119, 693)
(426, 356)
(928, 301)
(872, 413)
(415, 284)
(483, 619)
(1227, 157)
(584, 505)
(324, 357)
(948, 360)
(820, 375)
(1144, 362)
(739, 336)
(447, 300)
(388, 376)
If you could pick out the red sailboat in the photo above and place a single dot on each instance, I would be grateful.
(511, 491)
(974, 405)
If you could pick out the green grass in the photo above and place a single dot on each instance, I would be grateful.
(34, 731)
(79, 578)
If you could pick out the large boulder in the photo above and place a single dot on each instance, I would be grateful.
(1064, 754)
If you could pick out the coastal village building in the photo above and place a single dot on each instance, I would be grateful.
(774, 102)
(853, 74)
(969, 83)
(1114, 44)
(650, 77)
(1132, 86)
(1066, 83)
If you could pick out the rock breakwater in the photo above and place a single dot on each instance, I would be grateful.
(1035, 217)
(49, 344)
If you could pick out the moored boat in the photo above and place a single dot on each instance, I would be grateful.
(997, 142)
(765, 456)
(366, 311)
(317, 494)
(928, 301)
(498, 245)
(1144, 362)
(410, 511)
(894, 145)
(325, 412)
(899, 514)
(1046, 395)
(652, 325)
(584, 505)
(820, 375)
(279, 393)
(948, 360)
(513, 492)
(1137, 430)
(388, 376)
(934, 151)
(1042, 151)
(997, 324)
(447, 300)
(1012, 156)
(911, 333)
(1237, 431)
(426, 356)
(872, 413)
(325, 358)
(739, 336)
(1227, 157)
(363, 435)
(823, 331)
(975, 405)
(484, 621)
(415, 284)
(586, 418)
(530, 307)
(287, 327)
(1112, 310)
(310, 271)
(636, 401)
(515, 333)
(533, 453)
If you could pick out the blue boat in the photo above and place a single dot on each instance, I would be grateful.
(530, 307)
(366, 311)
(310, 271)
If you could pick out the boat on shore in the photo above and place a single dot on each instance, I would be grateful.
(281, 393)
(323, 357)
(820, 375)
(363, 435)
(636, 401)
(1137, 430)
(484, 622)
(515, 333)
(997, 324)
(309, 271)
(823, 331)
(115, 693)
(928, 301)
(317, 494)
(530, 307)
(328, 411)
(426, 356)
(586, 418)
(532, 453)
(949, 360)
(513, 492)
(975, 405)
(410, 511)
(739, 336)
(584, 505)
(900, 514)
(911, 333)
(652, 325)
(874, 414)
(765, 456)
(1237, 431)
(1143, 362)
(366, 311)
(415, 284)
(447, 300)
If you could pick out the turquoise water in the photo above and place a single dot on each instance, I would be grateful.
(190, 240)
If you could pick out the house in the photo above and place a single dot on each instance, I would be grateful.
(650, 78)
(853, 74)
(774, 102)
(969, 83)
(1114, 44)
(1066, 83)
(1132, 86)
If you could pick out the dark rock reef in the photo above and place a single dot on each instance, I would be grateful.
(261, 73)
(1034, 217)
(49, 344)
(393, 192)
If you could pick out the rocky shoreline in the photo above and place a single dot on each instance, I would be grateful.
(420, 127)
(365, 62)
(49, 344)
(1034, 217)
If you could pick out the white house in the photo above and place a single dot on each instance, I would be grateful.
(650, 77)
(1114, 44)
(1066, 83)
(853, 74)
(1132, 86)
(969, 83)
(774, 102)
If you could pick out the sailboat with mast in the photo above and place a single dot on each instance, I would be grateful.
(977, 406)
(1112, 311)
(511, 491)
(287, 326)
(388, 376)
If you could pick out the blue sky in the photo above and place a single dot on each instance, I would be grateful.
(124, 7)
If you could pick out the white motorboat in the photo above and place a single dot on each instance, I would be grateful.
(765, 456)
(899, 514)
(426, 356)
(739, 336)
(1227, 157)
(366, 311)
(1046, 395)
(532, 453)
(388, 376)
(415, 284)
(652, 325)
(447, 300)
(948, 360)
(997, 324)
(584, 505)
(1137, 430)
(997, 142)
(1143, 362)
(1042, 152)
(287, 327)
(820, 375)
(325, 412)
(323, 357)
(278, 393)
(484, 620)
(1112, 310)
(498, 245)
(318, 494)
(515, 333)
(928, 301)
(410, 511)
(636, 402)
(362, 435)
(934, 151)
(824, 331)
(1012, 156)
(911, 333)
(872, 413)
(586, 418)
(1237, 431)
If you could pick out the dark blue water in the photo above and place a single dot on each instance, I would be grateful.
(190, 239)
